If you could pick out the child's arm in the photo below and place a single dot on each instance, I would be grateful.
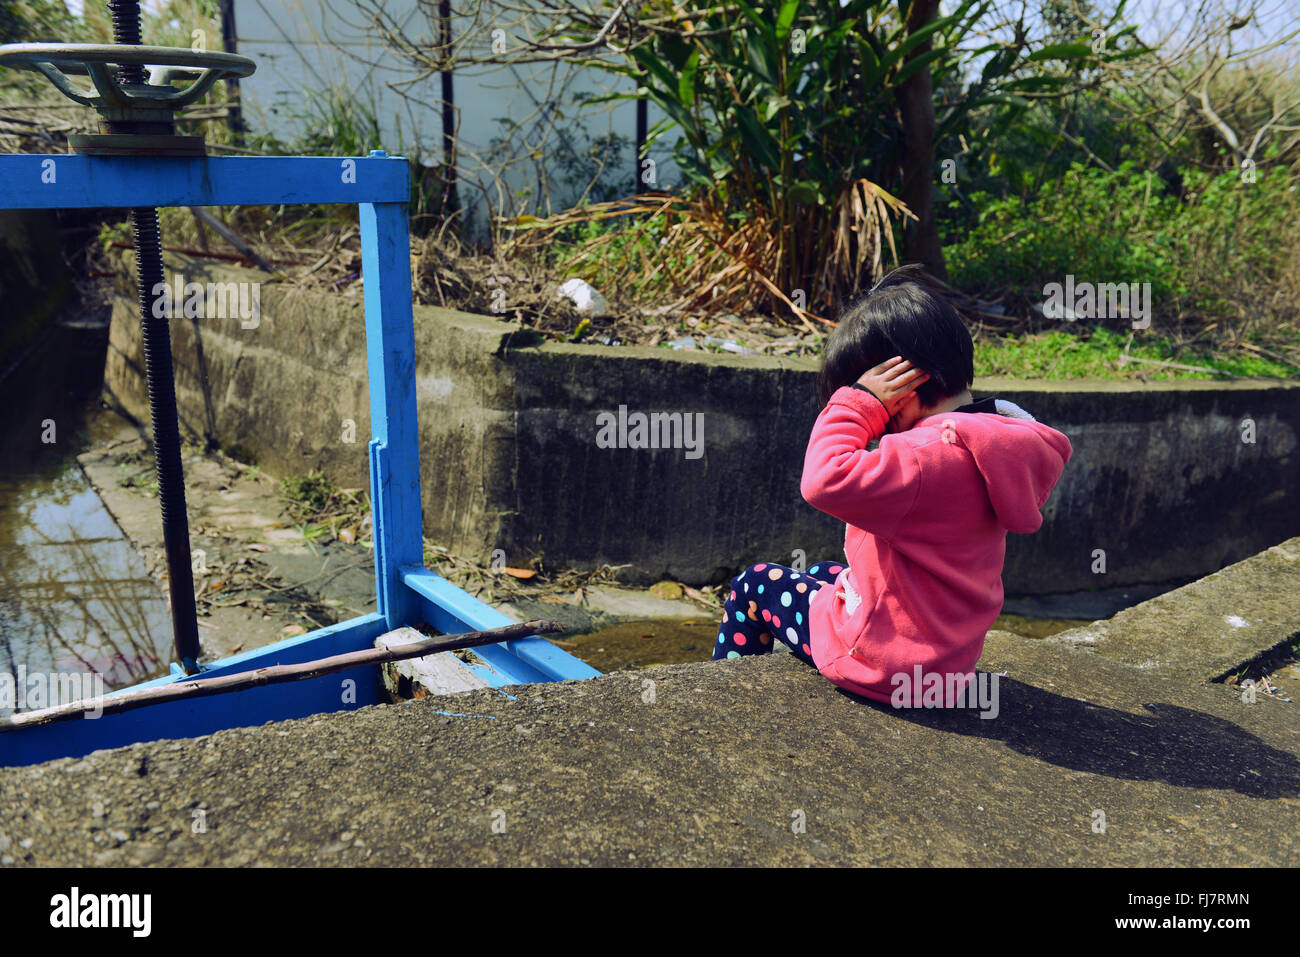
(871, 490)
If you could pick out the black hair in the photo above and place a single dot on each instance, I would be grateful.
(905, 314)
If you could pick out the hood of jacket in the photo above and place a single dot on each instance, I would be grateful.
(1019, 459)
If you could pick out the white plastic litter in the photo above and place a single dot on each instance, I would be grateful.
(1051, 309)
(726, 345)
(585, 297)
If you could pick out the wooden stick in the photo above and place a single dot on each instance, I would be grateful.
(229, 235)
(204, 254)
(203, 230)
(1125, 357)
(275, 674)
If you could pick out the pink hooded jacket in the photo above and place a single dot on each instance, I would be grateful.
(928, 514)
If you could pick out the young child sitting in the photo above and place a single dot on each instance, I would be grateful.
(927, 511)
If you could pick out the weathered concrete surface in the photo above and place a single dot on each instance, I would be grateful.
(1203, 630)
(714, 771)
(233, 510)
(1089, 761)
(508, 441)
(602, 606)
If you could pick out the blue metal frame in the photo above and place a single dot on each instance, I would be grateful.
(406, 591)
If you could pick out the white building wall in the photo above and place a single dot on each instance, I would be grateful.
(305, 45)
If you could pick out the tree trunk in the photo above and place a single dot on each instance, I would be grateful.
(450, 202)
(916, 105)
(230, 43)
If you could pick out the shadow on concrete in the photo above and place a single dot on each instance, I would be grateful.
(1169, 743)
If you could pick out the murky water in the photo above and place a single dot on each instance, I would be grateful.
(75, 596)
(644, 644)
(76, 600)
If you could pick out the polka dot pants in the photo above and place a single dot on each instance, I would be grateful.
(768, 600)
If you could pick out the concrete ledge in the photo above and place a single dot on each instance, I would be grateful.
(715, 771)
(1088, 761)
(1204, 630)
(508, 441)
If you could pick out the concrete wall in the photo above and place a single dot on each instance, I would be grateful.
(1161, 480)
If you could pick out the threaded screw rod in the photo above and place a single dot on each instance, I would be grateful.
(126, 29)
(166, 438)
(156, 333)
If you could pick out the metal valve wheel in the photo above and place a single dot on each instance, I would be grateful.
(136, 117)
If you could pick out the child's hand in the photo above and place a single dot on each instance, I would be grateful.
(891, 381)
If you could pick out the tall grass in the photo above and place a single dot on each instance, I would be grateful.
(1220, 254)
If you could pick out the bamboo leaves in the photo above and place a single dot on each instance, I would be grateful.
(790, 132)
(686, 82)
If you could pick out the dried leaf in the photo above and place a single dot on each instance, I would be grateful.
(667, 590)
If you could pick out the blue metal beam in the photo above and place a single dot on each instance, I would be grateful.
(525, 660)
(395, 449)
(341, 691)
(67, 181)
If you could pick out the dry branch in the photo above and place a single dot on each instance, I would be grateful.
(276, 674)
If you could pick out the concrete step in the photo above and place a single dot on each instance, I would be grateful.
(1208, 628)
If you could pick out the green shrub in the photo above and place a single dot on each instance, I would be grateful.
(308, 493)
(1217, 251)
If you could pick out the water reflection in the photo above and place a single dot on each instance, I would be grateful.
(75, 596)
